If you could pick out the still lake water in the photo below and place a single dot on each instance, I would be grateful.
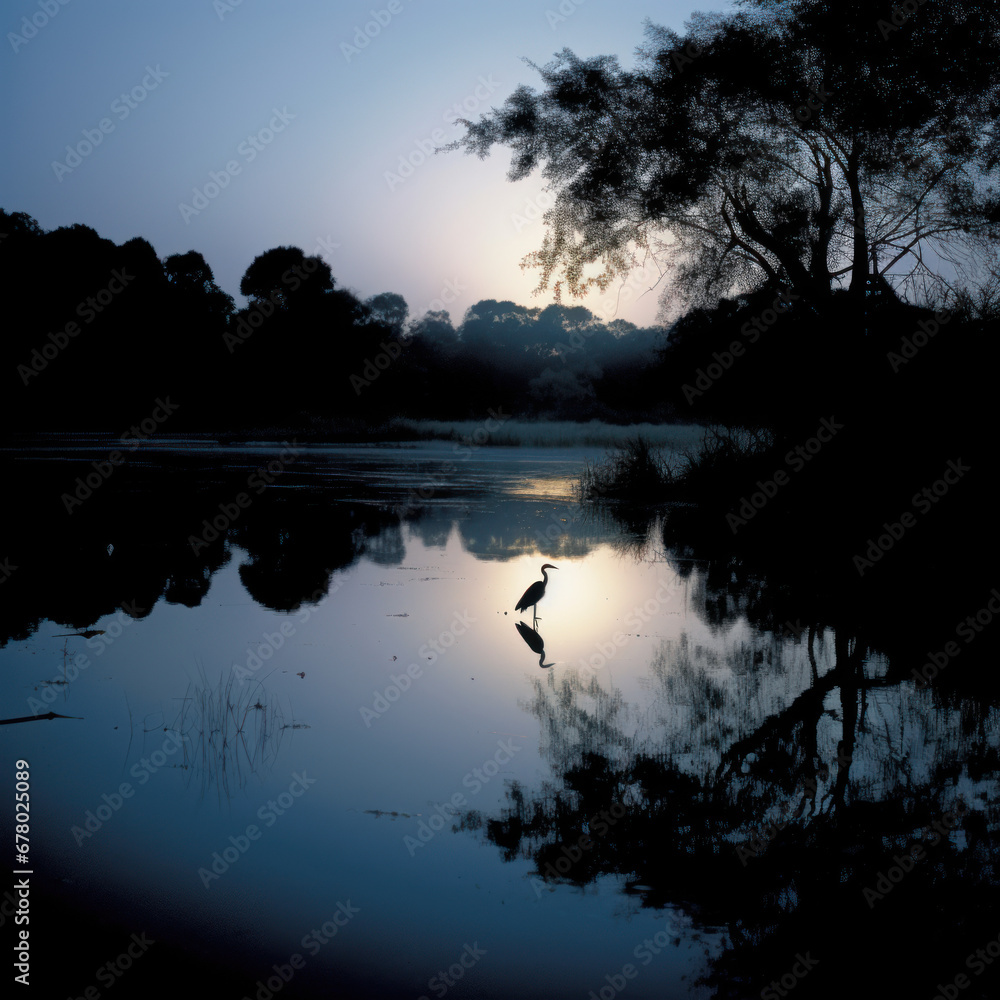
(324, 735)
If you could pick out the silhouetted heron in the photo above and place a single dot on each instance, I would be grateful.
(531, 597)
(535, 642)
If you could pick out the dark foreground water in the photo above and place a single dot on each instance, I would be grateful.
(314, 750)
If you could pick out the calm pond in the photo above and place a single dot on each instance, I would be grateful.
(314, 749)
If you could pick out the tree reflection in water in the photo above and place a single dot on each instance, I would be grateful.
(762, 790)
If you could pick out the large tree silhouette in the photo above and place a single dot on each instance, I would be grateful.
(389, 309)
(281, 273)
(795, 143)
(191, 275)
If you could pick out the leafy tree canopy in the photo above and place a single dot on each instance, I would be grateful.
(388, 309)
(801, 143)
(282, 274)
(18, 224)
(191, 274)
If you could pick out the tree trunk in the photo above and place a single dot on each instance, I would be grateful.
(859, 268)
(820, 260)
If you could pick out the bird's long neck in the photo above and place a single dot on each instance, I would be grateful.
(545, 577)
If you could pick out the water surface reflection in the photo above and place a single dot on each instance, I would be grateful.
(680, 790)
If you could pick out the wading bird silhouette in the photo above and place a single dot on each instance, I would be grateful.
(535, 642)
(531, 597)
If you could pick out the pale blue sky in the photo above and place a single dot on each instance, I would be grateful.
(454, 229)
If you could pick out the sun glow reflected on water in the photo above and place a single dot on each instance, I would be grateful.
(395, 687)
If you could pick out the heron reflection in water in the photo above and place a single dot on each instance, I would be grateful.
(534, 640)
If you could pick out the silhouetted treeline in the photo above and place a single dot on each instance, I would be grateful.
(174, 518)
(870, 473)
(106, 334)
(163, 529)
(774, 359)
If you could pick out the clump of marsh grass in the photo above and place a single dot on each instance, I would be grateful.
(722, 456)
(636, 472)
(232, 730)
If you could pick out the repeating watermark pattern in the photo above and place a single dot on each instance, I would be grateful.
(597, 826)
(264, 309)
(370, 30)
(976, 962)
(248, 149)
(911, 344)
(373, 367)
(88, 310)
(791, 629)
(682, 58)
(968, 628)
(639, 615)
(463, 450)
(418, 155)
(449, 295)
(431, 651)
(796, 459)
(546, 536)
(471, 102)
(96, 818)
(644, 954)
(103, 470)
(259, 480)
(121, 107)
(932, 835)
(224, 7)
(100, 643)
(325, 245)
(111, 971)
(423, 149)
(315, 939)
(443, 981)
(6, 570)
(753, 328)
(757, 844)
(804, 964)
(644, 277)
(565, 10)
(470, 443)
(814, 104)
(125, 617)
(313, 942)
(47, 9)
(576, 341)
(475, 780)
(273, 641)
(706, 377)
(922, 500)
(534, 209)
(268, 814)
(901, 13)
